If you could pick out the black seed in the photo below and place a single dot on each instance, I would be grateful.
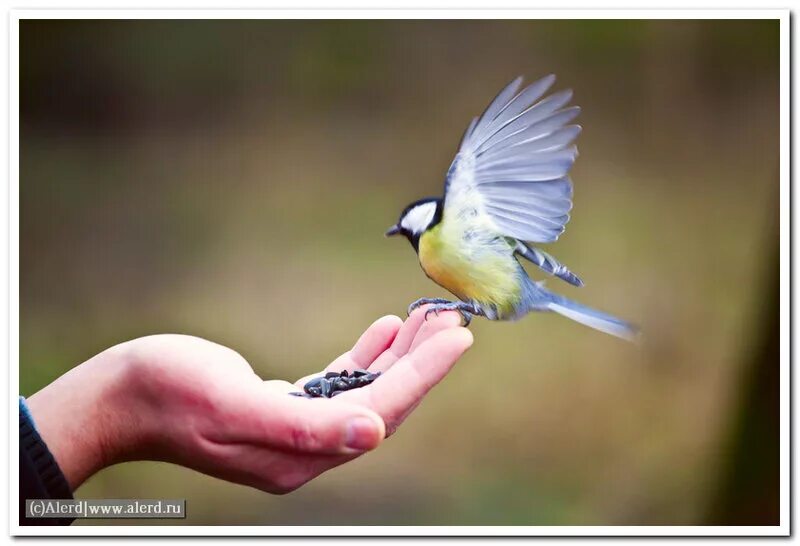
(325, 388)
(340, 385)
(314, 391)
(334, 383)
(316, 382)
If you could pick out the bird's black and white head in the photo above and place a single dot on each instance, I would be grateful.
(416, 219)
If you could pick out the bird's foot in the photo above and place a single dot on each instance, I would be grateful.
(425, 301)
(466, 310)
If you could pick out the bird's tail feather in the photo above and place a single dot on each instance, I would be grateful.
(593, 318)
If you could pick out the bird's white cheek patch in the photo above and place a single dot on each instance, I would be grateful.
(419, 217)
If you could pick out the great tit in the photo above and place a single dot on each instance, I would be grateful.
(507, 186)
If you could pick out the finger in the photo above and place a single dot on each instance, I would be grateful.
(434, 324)
(402, 342)
(375, 340)
(369, 346)
(300, 425)
(404, 385)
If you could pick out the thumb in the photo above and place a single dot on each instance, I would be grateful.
(319, 426)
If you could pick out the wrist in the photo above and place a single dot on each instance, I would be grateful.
(84, 416)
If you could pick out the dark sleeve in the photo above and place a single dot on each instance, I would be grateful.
(39, 475)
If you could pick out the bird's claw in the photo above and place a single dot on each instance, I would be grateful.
(464, 309)
(425, 301)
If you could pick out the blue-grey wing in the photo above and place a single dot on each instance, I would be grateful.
(547, 263)
(511, 168)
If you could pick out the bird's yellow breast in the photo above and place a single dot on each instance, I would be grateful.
(470, 270)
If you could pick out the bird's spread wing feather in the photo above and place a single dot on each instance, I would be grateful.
(511, 168)
(547, 263)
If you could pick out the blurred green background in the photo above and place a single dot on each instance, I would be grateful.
(233, 179)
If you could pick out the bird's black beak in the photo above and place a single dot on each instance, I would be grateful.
(394, 230)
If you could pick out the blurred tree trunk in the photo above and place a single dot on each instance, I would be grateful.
(749, 490)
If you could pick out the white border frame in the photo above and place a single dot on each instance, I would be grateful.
(785, 206)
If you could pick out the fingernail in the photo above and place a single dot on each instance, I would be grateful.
(361, 434)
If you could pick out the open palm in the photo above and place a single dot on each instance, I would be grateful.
(214, 414)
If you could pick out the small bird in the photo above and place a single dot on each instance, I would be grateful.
(507, 186)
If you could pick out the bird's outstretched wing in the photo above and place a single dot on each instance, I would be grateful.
(511, 168)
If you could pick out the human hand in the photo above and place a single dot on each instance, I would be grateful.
(195, 403)
(411, 359)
